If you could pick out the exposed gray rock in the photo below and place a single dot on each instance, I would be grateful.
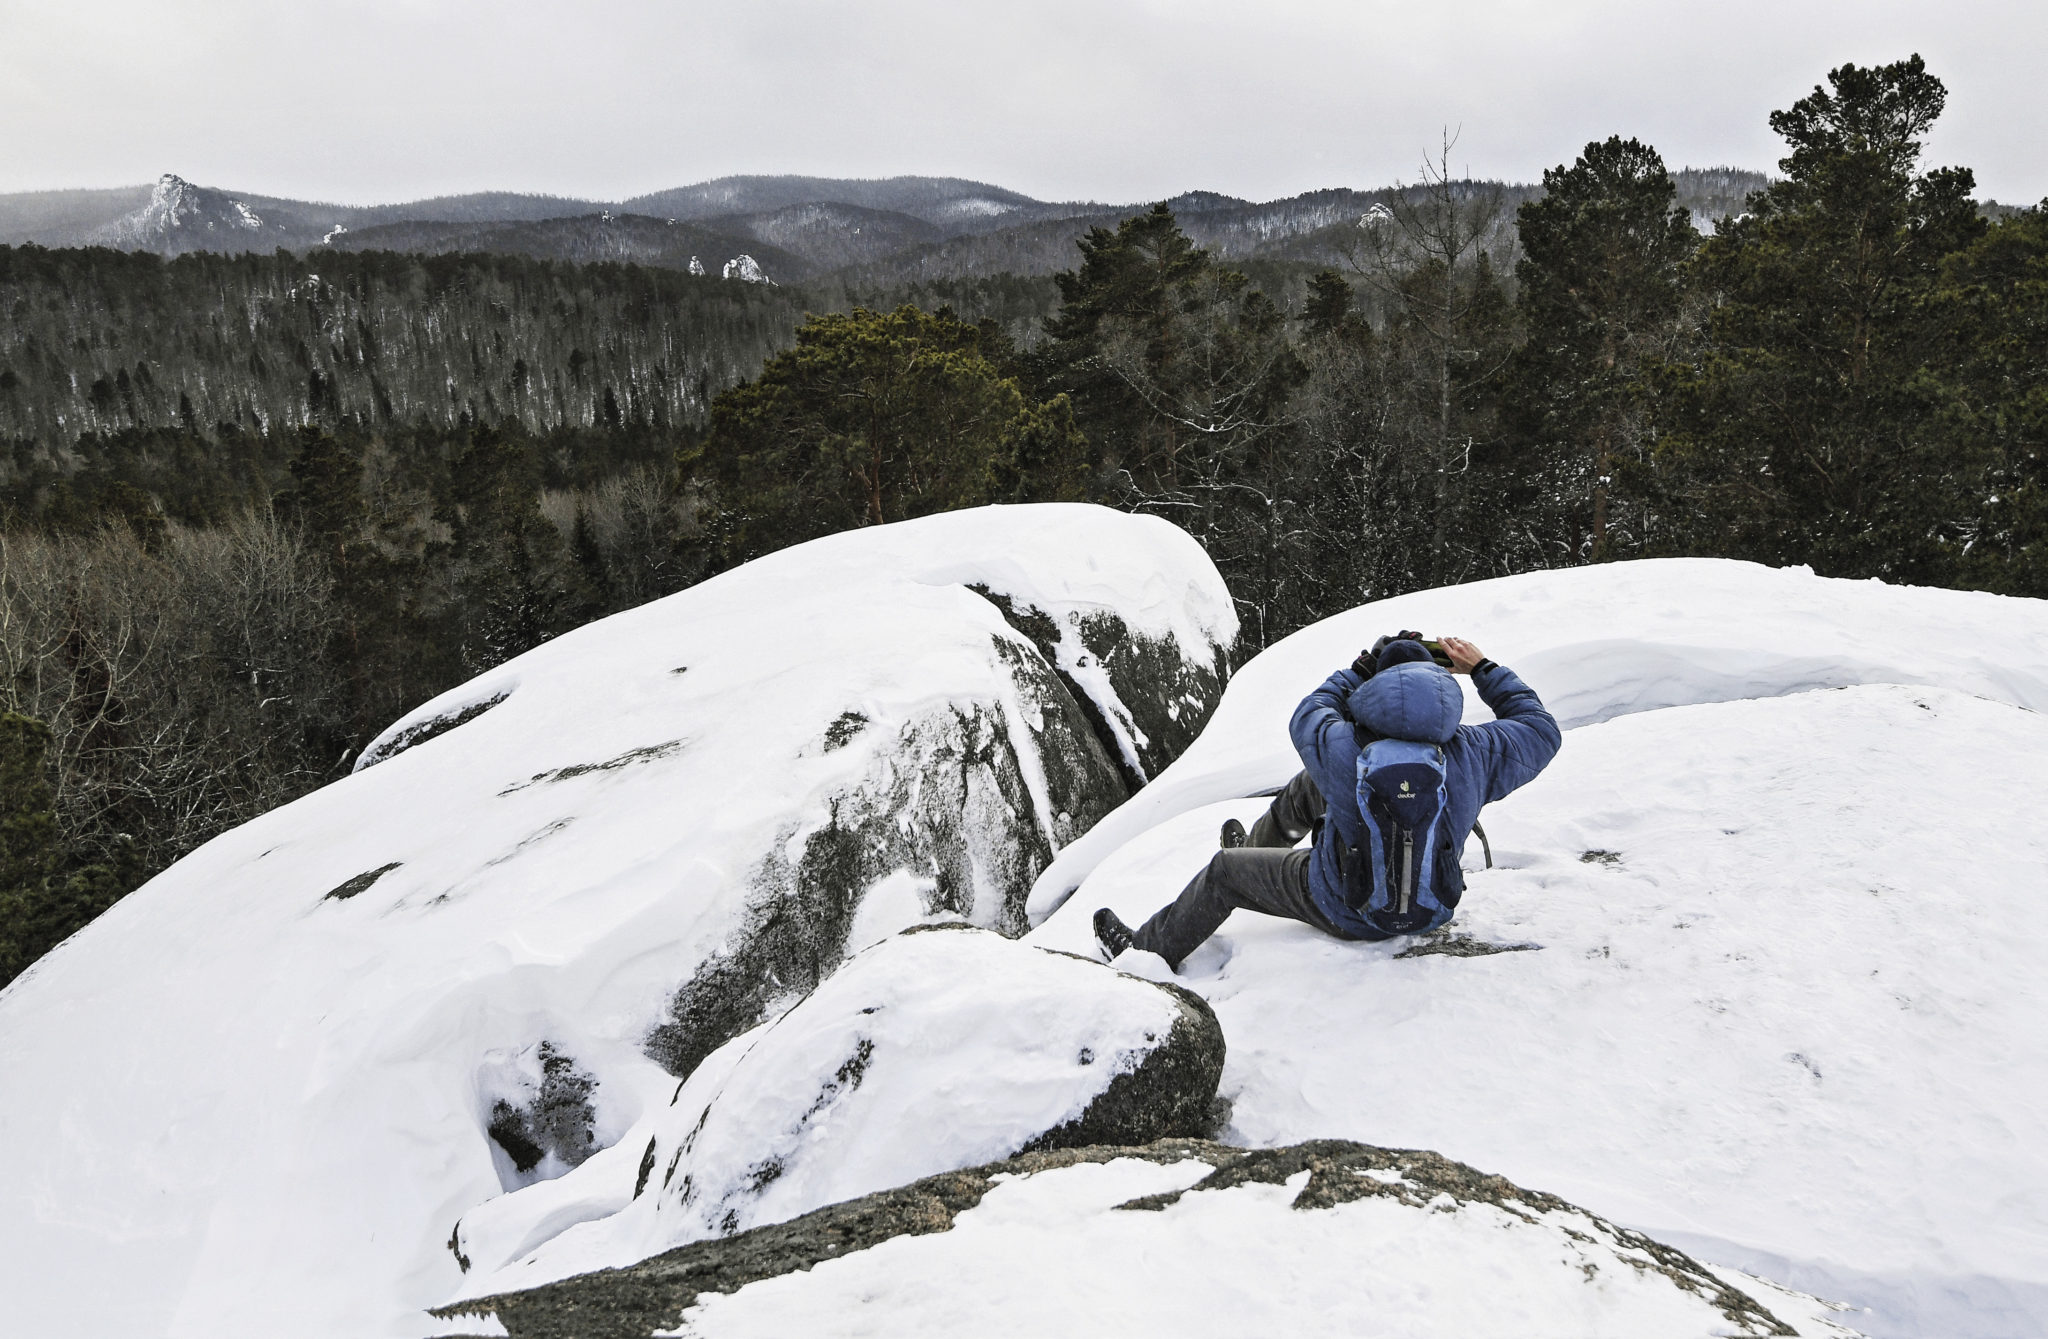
(1453, 945)
(949, 802)
(390, 745)
(633, 1302)
(1167, 690)
(556, 1118)
(347, 888)
(1161, 693)
(1171, 1093)
(996, 1046)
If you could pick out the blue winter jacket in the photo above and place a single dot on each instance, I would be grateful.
(1422, 702)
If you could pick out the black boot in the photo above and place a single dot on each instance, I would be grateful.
(1111, 933)
(1233, 834)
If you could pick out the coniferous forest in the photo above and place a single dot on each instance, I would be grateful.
(258, 506)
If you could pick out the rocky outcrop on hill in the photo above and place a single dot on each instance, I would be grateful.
(940, 1047)
(629, 845)
(1368, 1200)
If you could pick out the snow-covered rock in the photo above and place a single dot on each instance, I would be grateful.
(1181, 1238)
(938, 1048)
(262, 1089)
(746, 269)
(1758, 971)
(180, 217)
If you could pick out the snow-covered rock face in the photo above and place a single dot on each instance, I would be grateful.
(264, 1086)
(935, 1049)
(746, 269)
(181, 217)
(1758, 975)
(1178, 1238)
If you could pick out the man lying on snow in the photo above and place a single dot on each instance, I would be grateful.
(1392, 787)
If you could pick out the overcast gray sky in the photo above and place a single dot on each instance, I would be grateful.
(365, 101)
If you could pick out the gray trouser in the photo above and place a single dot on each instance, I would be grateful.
(1266, 876)
(1292, 814)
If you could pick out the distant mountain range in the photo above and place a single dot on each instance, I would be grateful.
(794, 229)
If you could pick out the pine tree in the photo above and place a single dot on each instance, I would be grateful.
(1600, 289)
(1806, 433)
(1991, 309)
(1128, 287)
(517, 585)
(875, 417)
(1328, 308)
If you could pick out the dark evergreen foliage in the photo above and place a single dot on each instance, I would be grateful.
(1809, 429)
(1600, 298)
(875, 417)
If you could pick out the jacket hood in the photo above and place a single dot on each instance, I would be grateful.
(1419, 701)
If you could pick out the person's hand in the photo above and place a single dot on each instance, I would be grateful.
(1464, 656)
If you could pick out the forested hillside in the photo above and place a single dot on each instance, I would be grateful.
(98, 341)
(799, 228)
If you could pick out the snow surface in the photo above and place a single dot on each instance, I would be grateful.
(1600, 642)
(932, 1050)
(1052, 1254)
(241, 1106)
(1775, 992)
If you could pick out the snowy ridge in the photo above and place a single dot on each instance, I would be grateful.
(179, 216)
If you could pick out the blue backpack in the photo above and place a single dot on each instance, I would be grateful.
(1392, 882)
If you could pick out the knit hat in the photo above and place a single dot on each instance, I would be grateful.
(1401, 652)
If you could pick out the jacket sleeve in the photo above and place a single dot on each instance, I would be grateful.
(1325, 737)
(1523, 737)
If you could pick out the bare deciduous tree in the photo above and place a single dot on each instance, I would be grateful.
(180, 682)
(1421, 254)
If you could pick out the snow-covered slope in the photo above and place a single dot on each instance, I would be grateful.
(1344, 1246)
(256, 1096)
(1759, 975)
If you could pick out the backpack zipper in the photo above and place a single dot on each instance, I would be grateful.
(1407, 871)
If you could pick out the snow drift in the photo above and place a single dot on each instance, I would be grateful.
(263, 1088)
